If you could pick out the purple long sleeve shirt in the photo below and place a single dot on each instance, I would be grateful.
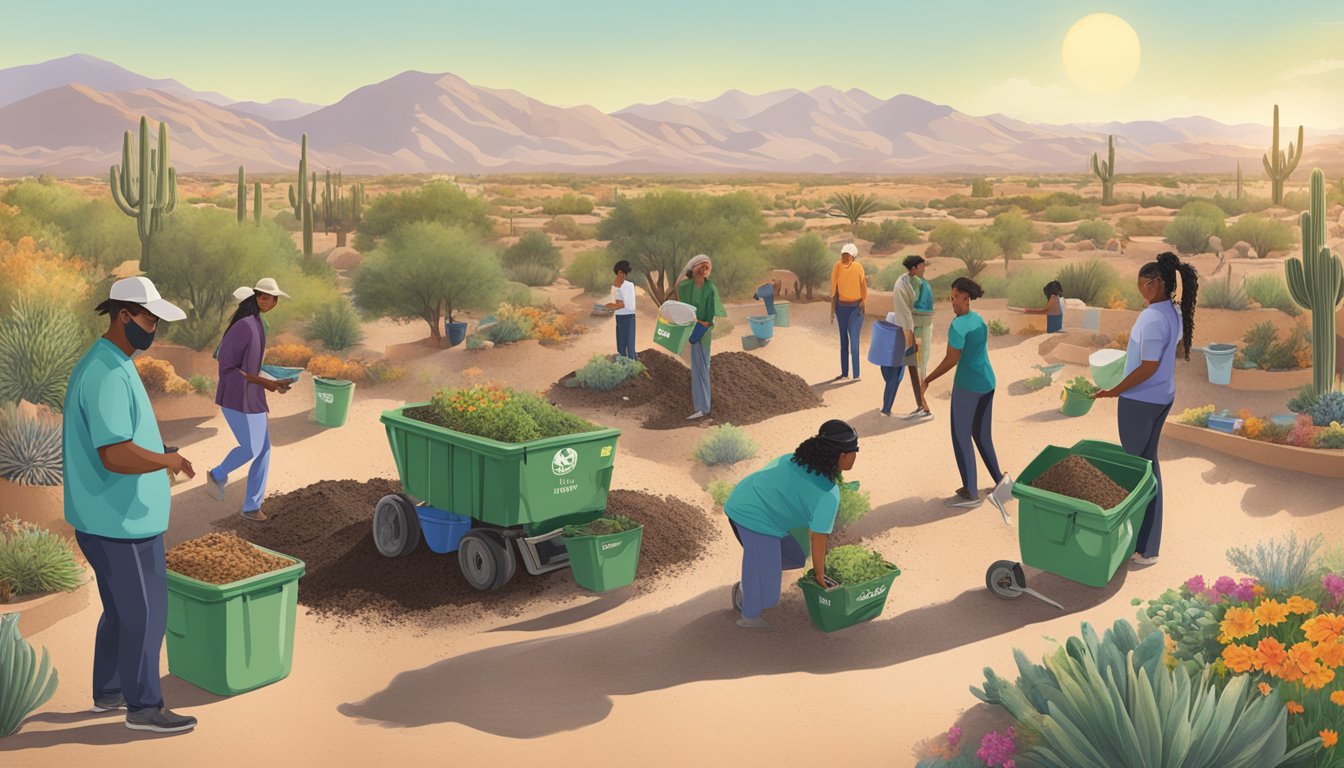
(242, 349)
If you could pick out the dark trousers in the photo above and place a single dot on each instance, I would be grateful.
(625, 336)
(973, 421)
(1140, 429)
(892, 375)
(134, 589)
(851, 325)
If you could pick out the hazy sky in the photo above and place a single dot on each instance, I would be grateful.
(1226, 59)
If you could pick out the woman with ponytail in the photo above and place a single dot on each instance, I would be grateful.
(1149, 386)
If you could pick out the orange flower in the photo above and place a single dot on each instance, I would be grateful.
(1258, 590)
(1271, 613)
(1238, 622)
(1325, 628)
(1331, 654)
(1270, 656)
(1301, 659)
(1238, 658)
(1329, 738)
(1294, 708)
(1265, 690)
(1317, 677)
(1301, 605)
(1338, 698)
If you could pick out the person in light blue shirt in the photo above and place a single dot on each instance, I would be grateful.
(1149, 387)
(116, 499)
(796, 490)
(972, 400)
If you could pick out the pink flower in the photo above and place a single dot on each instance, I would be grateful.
(1195, 585)
(996, 749)
(954, 736)
(1224, 586)
(1244, 592)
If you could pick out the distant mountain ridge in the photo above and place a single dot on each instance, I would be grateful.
(66, 117)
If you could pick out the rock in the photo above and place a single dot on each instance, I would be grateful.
(1059, 244)
(932, 251)
(1243, 248)
(1215, 243)
(561, 282)
(1113, 245)
(344, 258)
(1086, 245)
(981, 213)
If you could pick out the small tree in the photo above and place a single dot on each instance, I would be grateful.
(440, 201)
(949, 236)
(533, 248)
(1264, 235)
(1012, 232)
(982, 188)
(848, 205)
(809, 259)
(977, 251)
(423, 269)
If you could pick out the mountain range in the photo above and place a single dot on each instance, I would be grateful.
(67, 116)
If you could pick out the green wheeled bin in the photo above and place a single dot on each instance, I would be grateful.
(848, 604)
(781, 314)
(606, 562)
(333, 397)
(233, 638)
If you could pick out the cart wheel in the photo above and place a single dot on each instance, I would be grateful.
(1006, 579)
(396, 527)
(737, 596)
(485, 561)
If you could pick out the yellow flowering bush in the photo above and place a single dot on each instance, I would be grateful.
(289, 355)
(159, 377)
(545, 323)
(333, 367)
(1198, 417)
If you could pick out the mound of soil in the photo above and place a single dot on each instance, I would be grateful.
(221, 558)
(329, 525)
(744, 389)
(1077, 478)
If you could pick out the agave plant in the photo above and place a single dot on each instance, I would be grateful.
(35, 560)
(28, 684)
(39, 346)
(30, 445)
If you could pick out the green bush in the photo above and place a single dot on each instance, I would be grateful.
(30, 446)
(1264, 235)
(1284, 567)
(982, 188)
(34, 560)
(854, 505)
(568, 228)
(809, 259)
(719, 491)
(725, 444)
(29, 683)
(503, 414)
(885, 279)
(1061, 214)
(1036, 383)
(888, 234)
(1082, 386)
(976, 252)
(1091, 281)
(997, 328)
(1269, 291)
(737, 271)
(202, 385)
(1221, 294)
(602, 526)
(1133, 226)
(1025, 289)
(1095, 230)
(507, 330)
(1188, 234)
(532, 275)
(335, 325)
(591, 271)
(476, 341)
(532, 248)
(853, 564)
(518, 295)
(569, 204)
(791, 225)
(40, 342)
(439, 202)
(604, 374)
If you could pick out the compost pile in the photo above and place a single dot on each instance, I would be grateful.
(1077, 478)
(745, 390)
(329, 524)
(221, 558)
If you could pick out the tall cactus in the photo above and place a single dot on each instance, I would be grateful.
(1241, 193)
(1105, 170)
(302, 199)
(1316, 283)
(256, 203)
(146, 186)
(341, 212)
(1279, 165)
(242, 196)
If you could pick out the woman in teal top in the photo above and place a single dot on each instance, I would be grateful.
(972, 399)
(700, 292)
(796, 490)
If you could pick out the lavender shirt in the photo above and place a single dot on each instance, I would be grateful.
(242, 349)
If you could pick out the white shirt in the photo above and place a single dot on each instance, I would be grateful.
(903, 296)
(626, 294)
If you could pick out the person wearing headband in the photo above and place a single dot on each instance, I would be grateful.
(796, 490)
(696, 289)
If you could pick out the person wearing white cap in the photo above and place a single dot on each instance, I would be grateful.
(117, 500)
(849, 293)
(241, 395)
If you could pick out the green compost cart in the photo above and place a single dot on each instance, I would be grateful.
(847, 604)
(519, 496)
(1069, 537)
(233, 638)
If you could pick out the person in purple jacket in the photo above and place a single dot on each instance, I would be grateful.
(241, 394)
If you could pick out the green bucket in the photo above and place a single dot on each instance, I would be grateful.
(603, 563)
(1074, 404)
(848, 604)
(333, 398)
(672, 337)
(233, 638)
(781, 314)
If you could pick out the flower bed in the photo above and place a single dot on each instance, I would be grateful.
(1303, 446)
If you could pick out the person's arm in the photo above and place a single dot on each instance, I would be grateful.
(863, 292)
(1136, 377)
(835, 289)
(1151, 345)
(233, 351)
(819, 544)
(127, 458)
(949, 362)
(106, 412)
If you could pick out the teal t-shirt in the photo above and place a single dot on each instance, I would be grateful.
(970, 334)
(782, 496)
(924, 303)
(106, 404)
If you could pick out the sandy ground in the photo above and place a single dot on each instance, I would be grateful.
(667, 678)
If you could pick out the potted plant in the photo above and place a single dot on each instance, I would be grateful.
(1077, 396)
(862, 580)
(604, 553)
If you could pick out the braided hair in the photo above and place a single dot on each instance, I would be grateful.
(1167, 267)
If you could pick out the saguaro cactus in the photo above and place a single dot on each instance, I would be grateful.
(146, 186)
(1105, 170)
(242, 196)
(256, 203)
(303, 198)
(1279, 165)
(341, 212)
(1241, 194)
(1316, 283)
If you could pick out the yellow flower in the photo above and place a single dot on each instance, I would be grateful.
(1294, 708)
(1325, 628)
(1265, 690)
(1271, 613)
(1301, 605)
(1338, 698)
(1238, 658)
(1238, 622)
(1317, 677)
(1329, 738)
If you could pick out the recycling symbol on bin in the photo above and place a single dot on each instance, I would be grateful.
(564, 461)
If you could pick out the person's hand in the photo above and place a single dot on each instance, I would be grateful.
(271, 385)
(285, 385)
(821, 581)
(177, 464)
(1105, 393)
(703, 322)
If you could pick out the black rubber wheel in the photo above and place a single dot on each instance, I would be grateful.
(1003, 576)
(737, 596)
(396, 527)
(485, 561)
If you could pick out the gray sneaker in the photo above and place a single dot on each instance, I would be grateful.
(108, 702)
(213, 486)
(159, 721)
(756, 623)
(958, 502)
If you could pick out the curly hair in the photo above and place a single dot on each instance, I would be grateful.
(912, 261)
(819, 456)
(1053, 288)
(1167, 266)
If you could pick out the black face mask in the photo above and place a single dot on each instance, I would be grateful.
(138, 337)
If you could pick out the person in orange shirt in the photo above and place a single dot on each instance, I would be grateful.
(849, 294)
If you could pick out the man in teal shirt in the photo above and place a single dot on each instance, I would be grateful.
(116, 499)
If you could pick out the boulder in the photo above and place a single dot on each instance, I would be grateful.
(1243, 249)
(981, 213)
(1215, 243)
(1113, 245)
(344, 258)
(1086, 245)
(932, 251)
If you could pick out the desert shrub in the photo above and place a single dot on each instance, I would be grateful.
(591, 271)
(997, 328)
(1188, 234)
(1293, 352)
(438, 202)
(568, 204)
(886, 278)
(333, 367)
(1329, 408)
(385, 372)
(719, 491)
(503, 414)
(604, 374)
(737, 271)
(517, 295)
(1223, 294)
(1197, 417)
(854, 505)
(942, 284)
(1012, 232)
(790, 225)
(30, 445)
(31, 683)
(159, 377)
(28, 270)
(1269, 291)
(1304, 432)
(568, 228)
(1283, 567)
(982, 188)
(725, 444)
(1263, 234)
(976, 252)
(1024, 288)
(854, 564)
(1133, 226)
(888, 234)
(40, 342)
(1089, 281)
(949, 236)
(289, 355)
(34, 560)
(1061, 214)
(1305, 399)
(1095, 230)
(532, 275)
(508, 330)
(532, 248)
(1036, 383)
(335, 325)
(202, 385)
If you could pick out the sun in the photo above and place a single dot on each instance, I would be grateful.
(1101, 52)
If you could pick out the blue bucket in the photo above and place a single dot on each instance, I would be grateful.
(281, 372)
(762, 327)
(1219, 358)
(443, 531)
(885, 344)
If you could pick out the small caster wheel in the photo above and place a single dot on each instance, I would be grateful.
(1006, 579)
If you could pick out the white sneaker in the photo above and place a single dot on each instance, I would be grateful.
(1141, 560)
(958, 502)
(915, 414)
(214, 487)
(997, 502)
(756, 623)
(1003, 490)
(696, 415)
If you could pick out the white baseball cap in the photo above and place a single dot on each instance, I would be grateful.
(266, 285)
(851, 249)
(140, 290)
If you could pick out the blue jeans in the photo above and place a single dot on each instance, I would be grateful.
(972, 421)
(850, 320)
(1054, 323)
(254, 445)
(892, 375)
(700, 392)
(766, 293)
(1140, 430)
(625, 336)
(133, 586)
(764, 558)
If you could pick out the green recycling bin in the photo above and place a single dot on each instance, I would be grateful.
(333, 398)
(781, 314)
(233, 638)
(607, 562)
(848, 604)
(1077, 539)
(672, 336)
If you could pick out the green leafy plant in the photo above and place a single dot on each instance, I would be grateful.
(1282, 566)
(1305, 399)
(1329, 408)
(854, 564)
(508, 330)
(500, 413)
(532, 275)
(34, 560)
(476, 342)
(1037, 382)
(30, 445)
(1270, 292)
(719, 490)
(518, 295)
(569, 204)
(202, 385)
(1090, 281)
(602, 526)
(1331, 436)
(1265, 235)
(854, 505)
(1082, 386)
(1061, 214)
(998, 328)
(40, 342)
(888, 234)
(1095, 230)
(1190, 621)
(29, 683)
(1222, 294)
(591, 271)
(853, 206)
(336, 325)
(604, 374)
(725, 444)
